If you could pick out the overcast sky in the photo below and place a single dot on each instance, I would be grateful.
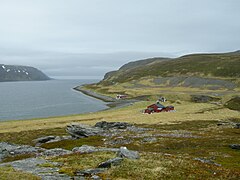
(87, 38)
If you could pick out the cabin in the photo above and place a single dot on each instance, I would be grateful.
(158, 107)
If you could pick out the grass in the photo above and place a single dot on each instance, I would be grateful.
(159, 166)
(7, 173)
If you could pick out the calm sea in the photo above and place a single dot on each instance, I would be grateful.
(36, 99)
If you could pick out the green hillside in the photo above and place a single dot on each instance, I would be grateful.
(225, 65)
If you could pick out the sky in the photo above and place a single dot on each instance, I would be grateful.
(87, 38)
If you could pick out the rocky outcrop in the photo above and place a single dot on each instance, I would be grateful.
(35, 166)
(103, 128)
(7, 149)
(50, 139)
(112, 125)
(21, 73)
(77, 130)
(55, 152)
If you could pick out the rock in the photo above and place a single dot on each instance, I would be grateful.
(84, 149)
(109, 149)
(56, 152)
(118, 141)
(88, 172)
(235, 146)
(95, 177)
(44, 139)
(207, 161)
(80, 130)
(111, 162)
(237, 126)
(91, 149)
(50, 139)
(149, 139)
(109, 125)
(202, 98)
(33, 166)
(125, 153)
(7, 149)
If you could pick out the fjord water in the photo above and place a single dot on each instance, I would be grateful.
(37, 99)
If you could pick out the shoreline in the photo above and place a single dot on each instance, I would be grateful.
(112, 102)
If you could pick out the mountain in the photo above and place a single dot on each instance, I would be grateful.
(219, 65)
(21, 73)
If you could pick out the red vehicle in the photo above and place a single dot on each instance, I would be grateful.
(158, 108)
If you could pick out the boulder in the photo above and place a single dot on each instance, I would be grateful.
(125, 153)
(77, 130)
(91, 149)
(88, 172)
(235, 146)
(111, 162)
(56, 152)
(111, 125)
(44, 139)
(85, 149)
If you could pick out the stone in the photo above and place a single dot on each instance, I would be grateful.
(77, 130)
(85, 149)
(88, 172)
(207, 161)
(111, 162)
(7, 149)
(235, 146)
(149, 139)
(91, 149)
(44, 139)
(55, 152)
(33, 166)
(237, 126)
(109, 125)
(118, 141)
(95, 177)
(125, 153)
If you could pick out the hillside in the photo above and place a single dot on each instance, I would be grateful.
(20, 73)
(225, 65)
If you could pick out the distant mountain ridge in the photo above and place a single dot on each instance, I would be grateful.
(21, 73)
(225, 65)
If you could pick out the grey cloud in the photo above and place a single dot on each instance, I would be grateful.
(68, 36)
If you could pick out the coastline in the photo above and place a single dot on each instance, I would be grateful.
(112, 102)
